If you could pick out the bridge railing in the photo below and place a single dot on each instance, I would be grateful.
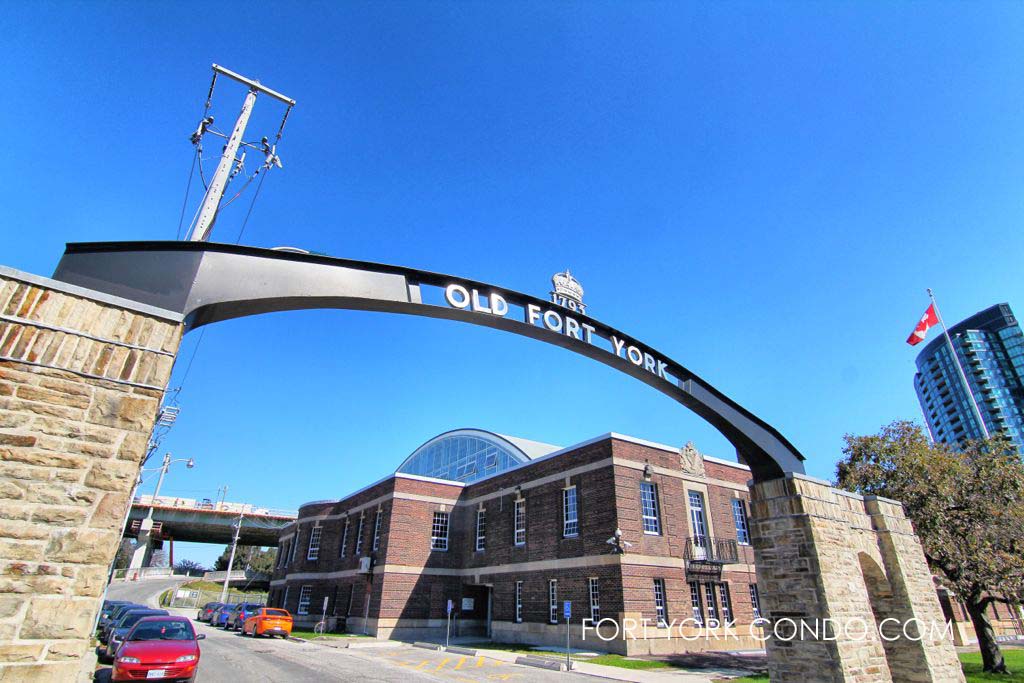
(207, 504)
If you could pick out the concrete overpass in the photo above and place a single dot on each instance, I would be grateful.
(186, 519)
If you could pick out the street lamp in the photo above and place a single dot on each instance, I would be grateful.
(147, 523)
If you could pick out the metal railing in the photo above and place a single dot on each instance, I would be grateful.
(711, 550)
(211, 506)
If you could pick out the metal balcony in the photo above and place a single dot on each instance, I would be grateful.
(711, 550)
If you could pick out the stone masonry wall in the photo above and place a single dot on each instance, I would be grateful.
(825, 554)
(81, 382)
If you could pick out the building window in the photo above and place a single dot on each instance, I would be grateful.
(649, 507)
(351, 595)
(344, 538)
(282, 552)
(595, 600)
(376, 529)
(359, 534)
(698, 613)
(755, 601)
(659, 602)
(284, 600)
(553, 601)
(723, 591)
(481, 529)
(520, 522)
(570, 520)
(314, 543)
(699, 524)
(519, 602)
(293, 547)
(305, 595)
(739, 515)
(712, 605)
(439, 532)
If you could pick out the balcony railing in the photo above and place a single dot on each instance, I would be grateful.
(711, 550)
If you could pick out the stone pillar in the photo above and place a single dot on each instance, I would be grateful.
(82, 375)
(811, 544)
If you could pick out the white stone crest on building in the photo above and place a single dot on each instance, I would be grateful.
(691, 460)
(568, 292)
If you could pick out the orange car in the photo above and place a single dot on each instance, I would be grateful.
(268, 621)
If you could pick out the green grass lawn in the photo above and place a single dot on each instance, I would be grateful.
(971, 662)
(605, 659)
(309, 634)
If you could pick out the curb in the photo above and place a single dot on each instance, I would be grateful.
(429, 646)
(549, 664)
(462, 651)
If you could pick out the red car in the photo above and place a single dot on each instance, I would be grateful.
(158, 648)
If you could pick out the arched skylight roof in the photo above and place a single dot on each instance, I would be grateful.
(467, 455)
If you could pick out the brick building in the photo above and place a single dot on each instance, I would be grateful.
(508, 529)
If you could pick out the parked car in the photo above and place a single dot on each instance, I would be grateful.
(158, 648)
(242, 611)
(207, 610)
(123, 626)
(220, 616)
(268, 621)
(115, 615)
(108, 607)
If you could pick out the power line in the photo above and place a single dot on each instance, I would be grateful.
(188, 186)
(252, 204)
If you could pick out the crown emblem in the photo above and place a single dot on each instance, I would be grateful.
(568, 291)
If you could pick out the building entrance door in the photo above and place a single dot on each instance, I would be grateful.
(475, 611)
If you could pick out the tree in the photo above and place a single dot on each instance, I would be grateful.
(187, 566)
(248, 557)
(124, 553)
(966, 505)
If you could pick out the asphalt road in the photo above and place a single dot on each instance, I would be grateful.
(228, 657)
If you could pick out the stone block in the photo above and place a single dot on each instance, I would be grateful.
(60, 516)
(19, 440)
(21, 653)
(112, 475)
(10, 491)
(21, 550)
(57, 398)
(90, 581)
(109, 514)
(83, 546)
(114, 409)
(66, 649)
(10, 605)
(58, 494)
(41, 673)
(58, 618)
(23, 531)
(134, 446)
(41, 458)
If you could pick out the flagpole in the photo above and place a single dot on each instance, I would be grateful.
(959, 367)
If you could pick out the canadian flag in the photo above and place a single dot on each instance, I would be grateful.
(928, 320)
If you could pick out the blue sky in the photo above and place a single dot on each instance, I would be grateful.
(760, 191)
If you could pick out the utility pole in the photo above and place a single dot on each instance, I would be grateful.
(214, 194)
(223, 491)
(231, 559)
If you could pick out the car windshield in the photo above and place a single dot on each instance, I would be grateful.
(276, 613)
(163, 630)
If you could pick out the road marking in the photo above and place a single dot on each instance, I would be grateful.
(479, 661)
(443, 662)
(461, 662)
(422, 664)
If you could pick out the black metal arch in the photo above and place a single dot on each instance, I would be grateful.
(206, 283)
